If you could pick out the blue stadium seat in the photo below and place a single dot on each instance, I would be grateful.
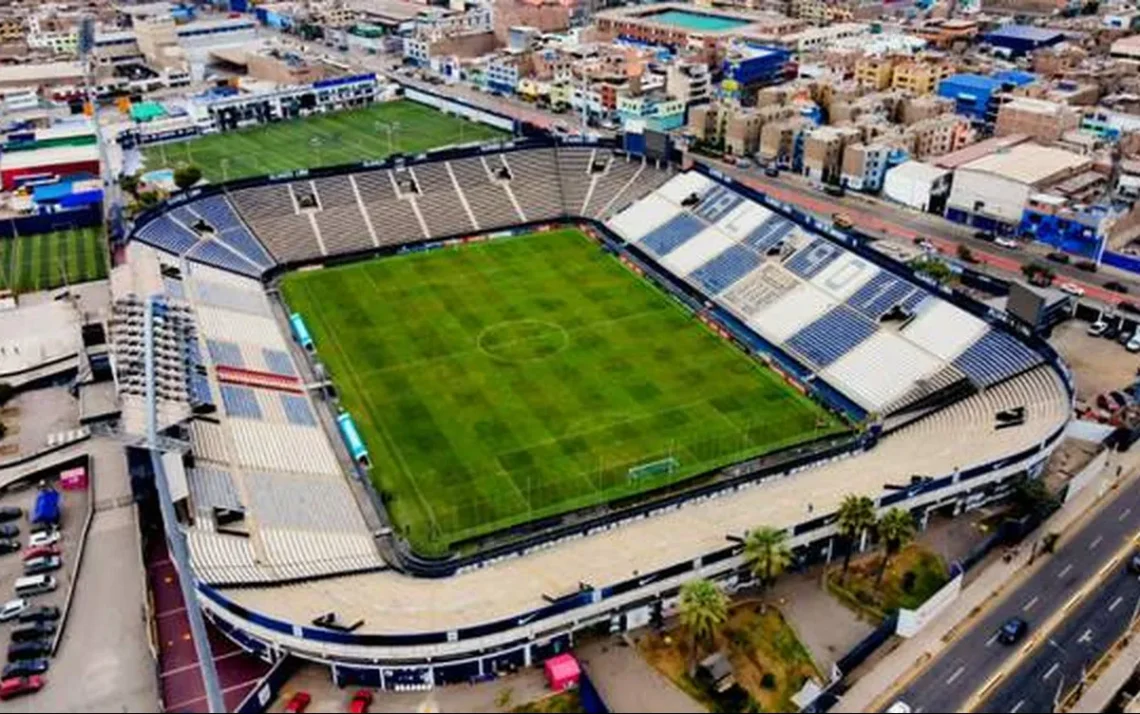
(832, 336)
(211, 253)
(240, 402)
(674, 233)
(227, 353)
(220, 214)
(718, 202)
(166, 234)
(810, 261)
(725, 269)
(911, 303)
(199, 389)
(994, 357)
(768, 234)
(297, 410)
(278, 361)
(879, 295)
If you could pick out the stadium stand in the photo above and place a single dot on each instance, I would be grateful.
(341, 218)
(725, 269)
(717, 203)
(878, 295)
(880, 370)
(694, 253)
(229, 229)
(830, 337)
(164, 233)
(574, 165)
(810, 261)
(643, 217)
(487, 199)
(535, 183)
(213, 252)
(845, 275)
(393, 218)
(609, 188)
(271, 212)
(439, 201)
(672, 234)
(995, 357)
(240, 402)
(759, 289)
(943, 329)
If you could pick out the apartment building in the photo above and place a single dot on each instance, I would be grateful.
(920, 77)
(11, 28)
(875, 73)
(1043, 120)
(688, 82)
(782, 141)
(823, 152)
(940, 135)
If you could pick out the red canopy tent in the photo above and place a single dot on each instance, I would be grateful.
(562, 672)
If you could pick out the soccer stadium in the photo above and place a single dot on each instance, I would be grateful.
(425, 418)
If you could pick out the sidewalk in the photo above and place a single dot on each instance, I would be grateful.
(1101, 693)
(627, 683)
(910, 656)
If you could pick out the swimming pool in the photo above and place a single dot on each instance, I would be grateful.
(695, 20)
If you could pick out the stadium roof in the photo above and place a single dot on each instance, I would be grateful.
(1028, 163)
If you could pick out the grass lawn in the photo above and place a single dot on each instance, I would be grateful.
(911, 578)
(41, 262)
(562, 703)
(757, 641)
(519, 378)
(322, 140)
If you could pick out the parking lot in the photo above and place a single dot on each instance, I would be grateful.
(1099, 365)
(74, 506)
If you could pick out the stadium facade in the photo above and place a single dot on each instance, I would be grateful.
(290, 550)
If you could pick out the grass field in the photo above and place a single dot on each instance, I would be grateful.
(523, 377)
(39, 262)
(323, 140)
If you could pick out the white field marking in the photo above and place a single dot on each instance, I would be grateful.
(992, 639)
(1124, 514)
(1030, 604)
(1051, 672)
(1086, 637)
(954, 677)
(1119, 599)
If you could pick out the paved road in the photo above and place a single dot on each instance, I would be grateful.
(1055, 668)
(977, 655)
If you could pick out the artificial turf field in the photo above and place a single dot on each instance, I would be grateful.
(40, 262)
(507, 380)
(320, 140)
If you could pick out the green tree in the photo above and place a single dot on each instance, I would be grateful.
(148, 199)
(1038, 274)
(1030, 497)
(856, 516)
(934, 268)
(130, 184)
(965, 254)
(895, 529)
(704, 610)
(187, 176)
(766, 553)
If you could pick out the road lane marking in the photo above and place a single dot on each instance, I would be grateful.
(1051, 672)
(954, 677)
(1124, 514)
(1065, 571)
(1017, 707)
(1119, 599)
(1087, 637)
(1030, 604)
(992, 639)
(1095, 542)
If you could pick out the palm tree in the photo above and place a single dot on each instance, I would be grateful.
(704, 609)
(766, 553)
(896, 528)
(855, 517)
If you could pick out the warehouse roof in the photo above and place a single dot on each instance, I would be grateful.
(40, 72)
(50, 156)
(976, 151)
(973, 81)
(1028, 163)
(918, 171)
(1026, 32)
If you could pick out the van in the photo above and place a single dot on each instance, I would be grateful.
(35, 584)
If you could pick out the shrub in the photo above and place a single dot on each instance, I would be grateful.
(768, 681)
(187, 176)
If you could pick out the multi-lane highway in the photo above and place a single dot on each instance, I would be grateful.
(954, 679)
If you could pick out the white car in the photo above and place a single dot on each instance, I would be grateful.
(1097, 328)
(12, 608)
(1007, 243)
(46, 538)
(1072, 289)
(1133, 344)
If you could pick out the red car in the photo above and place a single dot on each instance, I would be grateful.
(16, 686)
(43, 551)
(298, 703)
(360, 702)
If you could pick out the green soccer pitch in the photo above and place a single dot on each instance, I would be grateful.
(509, 380)
(48, 260)
(321, 140)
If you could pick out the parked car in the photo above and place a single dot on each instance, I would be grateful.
(360, 702)
(33, 631)
(1086, 265)
(35, 649)
(1116, 287)
(42, 551)
(1133, 344)
(984, 235)
(12, 608)
(9, 546)
(1112, 331)
(1062, 258)
(833, 190)
(1072, 289)
(25, 667)
(10, 513)
(298, 703)
(40, 614)
(18, 686)
(1012, 631)
(1120, 398)
(771, 171)
(9, 530)
(42, 528)
(43, 538)
(1007, 243)
(1134, 563)
(1097, 328)
(38, 566)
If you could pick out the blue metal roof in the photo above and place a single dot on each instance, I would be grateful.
(1015, 77)
(973, 81)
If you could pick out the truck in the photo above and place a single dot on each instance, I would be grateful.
(46, 509)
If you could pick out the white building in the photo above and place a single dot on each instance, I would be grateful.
(919, 185)
(60, 42)
(816, 39)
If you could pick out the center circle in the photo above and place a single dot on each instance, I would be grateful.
(522, 340)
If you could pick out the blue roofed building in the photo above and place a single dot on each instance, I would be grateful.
(1014, 77)
(1022, 39)
(750, 67)
(974, 95)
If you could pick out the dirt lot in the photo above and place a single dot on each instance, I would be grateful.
(1099, 365)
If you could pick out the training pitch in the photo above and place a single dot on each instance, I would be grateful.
(49, 260)
(320, 140)
(513, 379)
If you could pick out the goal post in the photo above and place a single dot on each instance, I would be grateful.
(653, 468)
